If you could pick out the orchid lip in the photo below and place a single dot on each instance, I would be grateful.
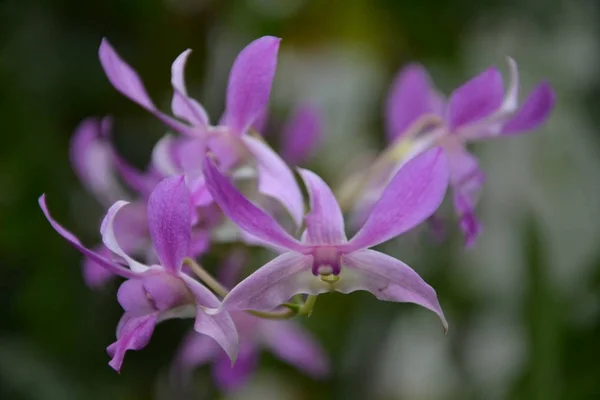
(326, 261)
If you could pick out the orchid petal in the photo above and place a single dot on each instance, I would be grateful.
(412, 95)
(294, 345)
(247, 216)
(219, 326)
(250, 83)
(301, 135)
(325, 222)
(135, 333)
(96, 275)
(196, 350)
(387, 279)
(229, 377)
(72, 239)
(476, 99)
(275, 179)
(164, 156)
(533, 112)
(169, 221)
(413, 194)
(143, 183)
(110, 240)
(127, 81)
(182, 105)
(275, 283)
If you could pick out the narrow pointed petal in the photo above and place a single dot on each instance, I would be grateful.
(169, 221)
(275, 283)
(109, 238)
(533, 112)
(229, 377)
(247, 216)
(275, 178)
(325, 222)
(72, 239)
(387, 279)
(134, 334)
(182, 105)
(96, 275)
(294, 345)
(412, 95)
(476, 99)
(413, 194)
(301, 135)
(127, 81)
(142, 183)
(250, 83)
(219, 326)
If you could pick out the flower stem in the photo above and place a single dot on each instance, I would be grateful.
(205, 277)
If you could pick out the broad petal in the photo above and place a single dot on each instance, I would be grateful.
(275, 178)
(96, 275)
(169, 221)
(109, 238)
(247, 216)
(533, 112)
(275, 283)
(296, 346)
(301, 135)
(475, 99)
(250, 83)
(92, 157)
(219, 326)
(387, 279)
(135, 333)
(72, 239)
(412, 95)
(182, 105)
(230, 377)
(413, 194)
(127, 81)
(325, 222)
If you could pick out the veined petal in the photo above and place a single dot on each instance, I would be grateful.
(250, 83)
(127, 81)
(387, 279)
(219, 326)
(183, 106)
(412, 95)
(135, 333)
(72, 239)
(275, 283)
(247, 216)
(231, 377)
(109, 239)
(294, 345)
(325, 222)
(301, 135)
(413, 194)
(475, 99)
(533, 112)
(169, 221)
(275, 179)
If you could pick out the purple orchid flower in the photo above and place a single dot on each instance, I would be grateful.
(162, 291)
(324, 260)
(248, 93)
(480, 109)
(301, 134)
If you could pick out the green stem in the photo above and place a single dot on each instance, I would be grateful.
(205, 277)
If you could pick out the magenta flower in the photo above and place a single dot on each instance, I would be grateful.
(479, 109)
(324, 260)
(301, 135)
(153, 293)
(247, 98)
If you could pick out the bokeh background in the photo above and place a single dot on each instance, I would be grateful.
(523, 306)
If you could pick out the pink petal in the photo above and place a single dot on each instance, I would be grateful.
(475, 99)
(250, 83)
(169, 221)
(195, 350)
(412, 95)
(413, 194)
(533, 112)
(274, 283)
(275, 179)
(387, 279)
(325, 222)
(96, 275)
(230, 377)
(301, 135)
(296, 346)
(134, 334)
(247, 216)
(183, 106)
(142, 183)
(72, 239)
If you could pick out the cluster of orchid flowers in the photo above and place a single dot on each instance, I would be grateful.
(208, 184)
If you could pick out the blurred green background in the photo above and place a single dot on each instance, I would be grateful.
(523, 306)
